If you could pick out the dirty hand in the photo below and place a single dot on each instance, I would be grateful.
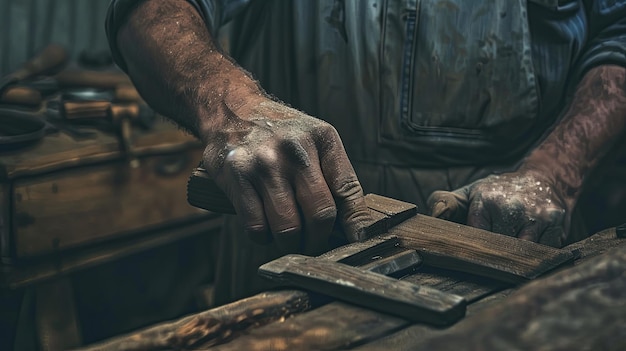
(524, 204)
(287, 175)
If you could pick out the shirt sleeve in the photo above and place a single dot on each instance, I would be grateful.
(606, 41)
(214, 12)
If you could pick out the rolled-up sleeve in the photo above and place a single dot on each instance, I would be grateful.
(214, 12)
(606, 41)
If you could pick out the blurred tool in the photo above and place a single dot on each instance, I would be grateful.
(21, 128)
(47, 62)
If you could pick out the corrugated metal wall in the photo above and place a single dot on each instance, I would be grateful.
(28, 25)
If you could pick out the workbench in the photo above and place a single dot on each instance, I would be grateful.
(579, 306)
(70, 204)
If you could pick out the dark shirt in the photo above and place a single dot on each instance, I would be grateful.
(316, 56)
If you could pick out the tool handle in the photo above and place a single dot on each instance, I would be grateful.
(52, 58)
(365, 288)
(77, 110)
(17, 95)
(202, 192)
(91, 79)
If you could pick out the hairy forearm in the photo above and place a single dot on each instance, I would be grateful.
(178, 69)
(593, 124)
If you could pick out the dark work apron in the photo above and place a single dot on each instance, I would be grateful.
(426, 94)
(457, 80)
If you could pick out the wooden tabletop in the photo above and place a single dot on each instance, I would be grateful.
(581, 305)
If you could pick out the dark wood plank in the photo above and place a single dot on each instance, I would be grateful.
(59, 151)
(596, 244)
(330, 327)
(213, 326)
(462, 248)
(579, 308)
(400, 262)
(397, 211)
(169, 335)
(470, 287)
(112, 200)
(20, 276)
(363, 251)
(365, 288)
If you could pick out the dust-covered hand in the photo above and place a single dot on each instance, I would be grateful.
(525, 204)
(287, 175)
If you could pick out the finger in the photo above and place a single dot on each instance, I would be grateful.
(281, 210)
(552, 236)
(530, 231)
(478, 216)
(282, 216)
(317, 207)
(452, 206)
(352, 212)
(249, 208)
(555, 233)
(234, 178)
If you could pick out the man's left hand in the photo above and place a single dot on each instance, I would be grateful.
(522, 204)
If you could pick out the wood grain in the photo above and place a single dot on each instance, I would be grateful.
(59, 151)
(397, 211)
(335, 326)
(580, 308)
(213, 326)
(365, 288)
(112, 200)
(462, 248)
(362, 252)
(18, 276)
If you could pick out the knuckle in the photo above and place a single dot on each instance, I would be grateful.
(289, 231)
(255, 230)
(325, 215)
(350, 189)
(295, 152)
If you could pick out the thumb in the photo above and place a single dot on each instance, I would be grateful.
(450, 205)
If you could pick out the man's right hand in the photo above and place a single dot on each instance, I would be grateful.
(287, 175)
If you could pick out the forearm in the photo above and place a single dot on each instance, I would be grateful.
(593, 124)
(178, 69)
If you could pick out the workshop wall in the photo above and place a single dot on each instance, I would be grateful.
(26, 26)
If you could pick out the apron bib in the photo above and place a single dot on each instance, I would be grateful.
(457, 77)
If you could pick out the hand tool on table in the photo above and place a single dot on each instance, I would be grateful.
(49, 61)
(77, 108)
(21, 128)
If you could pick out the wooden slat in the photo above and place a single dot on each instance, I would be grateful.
(462, 248)
(365, 288)
(60, 151)
(357, 252)
(213, 326)
(471, 287)
(397, 211)
(330, 327)
(19, 276)
(579, 308)
(396, 264)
